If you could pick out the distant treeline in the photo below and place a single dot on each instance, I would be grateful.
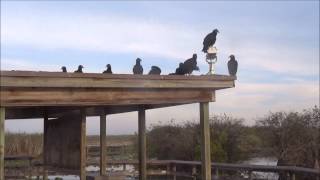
(293, 138)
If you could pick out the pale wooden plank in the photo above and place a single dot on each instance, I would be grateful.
(91, 82)
(99, 97)
(205, 141)
(2, 134)
(142, 144)
(103, 144)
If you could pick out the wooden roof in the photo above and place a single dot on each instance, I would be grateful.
(30, 91)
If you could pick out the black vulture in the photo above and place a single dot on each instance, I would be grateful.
(79, 70)
(209, 40)
(232, 65)
(155, 70)
(190, 65)
(108, 71)
(180, 70)
(64, 69)
(137, 68)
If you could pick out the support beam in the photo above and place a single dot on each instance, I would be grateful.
(2, 134)
(205, 141)
(103, 145)
(83, 156)
(142, 144)
(45, 146)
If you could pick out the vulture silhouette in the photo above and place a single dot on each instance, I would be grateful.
(190, 65)
(209, 40)
(79, 70)
(137, 68)
(180, 70)
(155, 70)
(108, 71)
(232, 65)
(64, 69)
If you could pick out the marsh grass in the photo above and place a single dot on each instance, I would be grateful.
(23, 144)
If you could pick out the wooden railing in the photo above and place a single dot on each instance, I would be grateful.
(171, 168)
(190, 169)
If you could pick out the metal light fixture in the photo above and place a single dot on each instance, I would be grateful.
(211, 58)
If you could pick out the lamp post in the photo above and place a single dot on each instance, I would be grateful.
(211, 59)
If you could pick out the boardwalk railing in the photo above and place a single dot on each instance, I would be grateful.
(190, 169)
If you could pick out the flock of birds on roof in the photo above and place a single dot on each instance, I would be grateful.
(185, 68)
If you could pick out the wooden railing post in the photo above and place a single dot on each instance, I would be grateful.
(174, 171)
(250, 175)
(217, 173)
(103, 143)
(2, 134)
(142, 144)
(194, 172)
(205, 141)
(293, 176)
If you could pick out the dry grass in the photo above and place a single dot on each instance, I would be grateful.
(23, 144)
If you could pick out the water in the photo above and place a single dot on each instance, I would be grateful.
(268, 161)
(254, 161)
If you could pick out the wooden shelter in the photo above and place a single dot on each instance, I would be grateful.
(64, 100)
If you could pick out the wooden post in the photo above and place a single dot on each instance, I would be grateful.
(103, 145)
(2, 134)
(250, 175)
(142, 144)
(44, 149)
(194, 172)
(205, 141)
(83, 144)
(174, 171)
(217, 172)
(293, 176)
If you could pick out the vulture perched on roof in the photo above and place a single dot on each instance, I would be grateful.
(232, 65)
(108, 71)
(64, 69)
(155, 70)
(209, 40)
(180, 70)
(137, 68)
(190, 65)
(79, 70)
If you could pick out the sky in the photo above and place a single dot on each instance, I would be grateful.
(276, 44)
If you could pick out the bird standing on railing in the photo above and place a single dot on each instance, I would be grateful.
(64, 69)
(108, 71)
(155, 70)
(137, 68)
(209, 40)
(232, 65)
(79, 70)
(190, 65)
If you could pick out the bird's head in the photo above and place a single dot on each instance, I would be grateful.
(108, 66)
(232, 57)
(194, 56)
(215, 31)
(80, 67)
(138, 60)
(63, 68)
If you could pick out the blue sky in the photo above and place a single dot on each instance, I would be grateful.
(275, 43)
